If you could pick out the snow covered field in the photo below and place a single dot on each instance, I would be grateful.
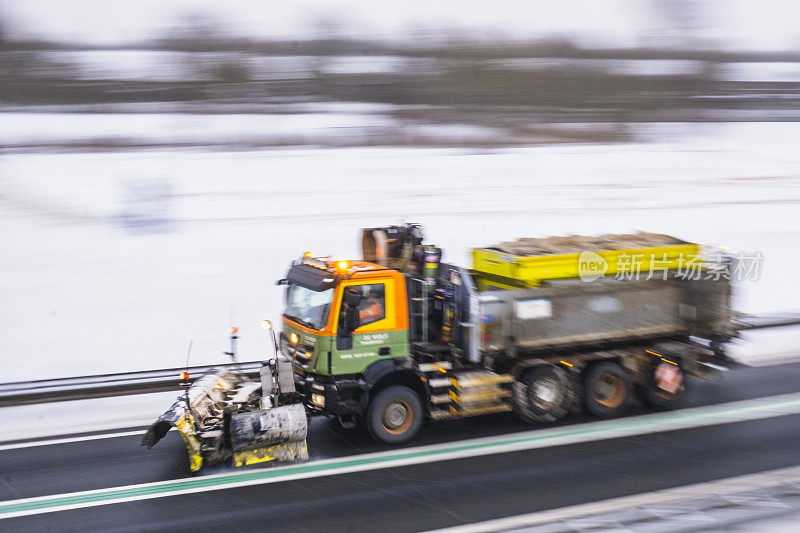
(83, 292)
(153, 129)
(301, 124)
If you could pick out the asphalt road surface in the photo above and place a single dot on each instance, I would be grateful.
(412, 497)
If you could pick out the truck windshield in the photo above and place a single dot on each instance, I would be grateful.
(307, 307)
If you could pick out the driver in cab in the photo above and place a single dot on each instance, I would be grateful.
(371, 308)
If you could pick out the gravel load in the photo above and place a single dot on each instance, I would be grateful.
(573, 244)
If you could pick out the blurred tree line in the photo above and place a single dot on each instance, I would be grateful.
(472, 78)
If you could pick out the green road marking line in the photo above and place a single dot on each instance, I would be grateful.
(687, 419)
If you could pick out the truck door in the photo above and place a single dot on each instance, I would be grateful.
(376, 335)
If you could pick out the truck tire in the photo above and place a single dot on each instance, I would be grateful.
(607, 390)
(666, 385)
(542, 395)
(395, 415)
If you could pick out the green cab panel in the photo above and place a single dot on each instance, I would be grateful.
(368, 348)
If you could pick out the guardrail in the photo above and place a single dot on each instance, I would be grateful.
(107, 385)
(168, 379)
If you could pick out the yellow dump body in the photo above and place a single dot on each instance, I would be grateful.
(499, 267)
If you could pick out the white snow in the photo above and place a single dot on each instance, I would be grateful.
(19, 128)
(762, 72)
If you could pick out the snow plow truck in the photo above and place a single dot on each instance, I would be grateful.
(541, 327)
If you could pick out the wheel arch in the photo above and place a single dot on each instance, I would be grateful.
(386, 373)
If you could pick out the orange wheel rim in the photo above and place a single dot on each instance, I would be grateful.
(612, 391)
(398, 428)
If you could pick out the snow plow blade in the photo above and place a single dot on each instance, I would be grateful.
(225, 418)
(177, 416)
(277, 434)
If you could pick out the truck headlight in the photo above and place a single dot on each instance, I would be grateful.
(318, 400)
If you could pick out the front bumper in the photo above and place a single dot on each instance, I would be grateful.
(341, 397)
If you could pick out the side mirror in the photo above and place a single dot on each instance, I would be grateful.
(352, 298)
(351, 318)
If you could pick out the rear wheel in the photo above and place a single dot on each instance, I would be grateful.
(542, 395)
(395, 415)
(607, 390)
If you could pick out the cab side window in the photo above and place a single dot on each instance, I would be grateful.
(373, 303)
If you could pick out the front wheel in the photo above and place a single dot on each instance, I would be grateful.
(395, 415)
(607, 390)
